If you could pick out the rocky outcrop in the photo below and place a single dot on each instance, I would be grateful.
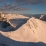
(43, 17)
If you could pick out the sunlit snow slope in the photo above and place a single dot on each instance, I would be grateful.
(33, 30)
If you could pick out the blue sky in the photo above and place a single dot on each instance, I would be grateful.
(23, 6)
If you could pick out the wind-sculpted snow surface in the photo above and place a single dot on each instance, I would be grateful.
(31, 33)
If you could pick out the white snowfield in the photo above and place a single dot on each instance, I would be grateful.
(31, 33)
(13, 16)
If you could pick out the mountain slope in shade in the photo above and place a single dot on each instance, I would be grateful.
(34, 30)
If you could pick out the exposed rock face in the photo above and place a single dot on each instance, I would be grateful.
(43, 17)
(5, 24)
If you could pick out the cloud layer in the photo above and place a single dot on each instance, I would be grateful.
(8, 7)
(20, 3)
(30, 1)
(1, 1)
